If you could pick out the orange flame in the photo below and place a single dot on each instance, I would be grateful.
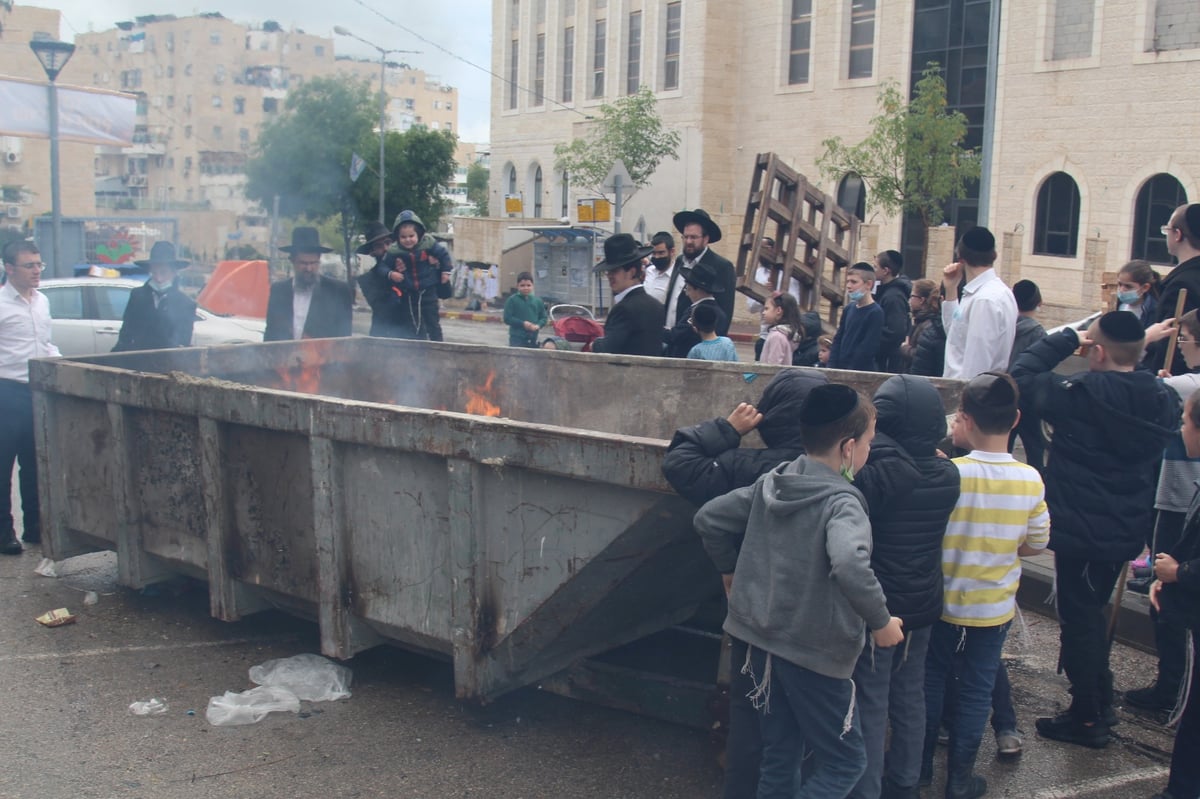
(304, 375)
(479, 403)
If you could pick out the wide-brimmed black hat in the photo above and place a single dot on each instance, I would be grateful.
(703, 275)
(621, 250)
(163, 252)
(698, 217)
(305, 239)
(374, 232)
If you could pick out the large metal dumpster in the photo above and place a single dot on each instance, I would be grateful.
(359, 482)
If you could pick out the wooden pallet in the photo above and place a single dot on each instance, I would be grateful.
(815, 239)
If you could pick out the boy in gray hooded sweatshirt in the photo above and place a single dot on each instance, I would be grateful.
(804, 589)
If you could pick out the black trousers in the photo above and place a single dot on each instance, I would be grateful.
(1084, 588)
(1185, 758)
(16, 446)
(429, 324)
(743, 747)
(1170, 636)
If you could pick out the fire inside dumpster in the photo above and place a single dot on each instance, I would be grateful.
(504, 508)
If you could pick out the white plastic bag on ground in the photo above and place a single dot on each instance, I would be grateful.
(46, 568)
(150, 707)
(250, 706)
(310, 677)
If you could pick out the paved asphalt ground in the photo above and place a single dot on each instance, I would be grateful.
(67, 732)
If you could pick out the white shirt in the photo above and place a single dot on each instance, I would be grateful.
(980, 328)
(300, 302)
(624, 293)
(24, 332)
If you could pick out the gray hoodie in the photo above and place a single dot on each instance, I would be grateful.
(804, 584)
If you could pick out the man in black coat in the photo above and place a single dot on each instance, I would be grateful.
(701, 284)
(699, 231)
(1110, 425)
(1183, 242)
(309, 305)
(158, 316)
(892, 293)
(634, 325)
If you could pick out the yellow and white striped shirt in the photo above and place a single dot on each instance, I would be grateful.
(1001, 506)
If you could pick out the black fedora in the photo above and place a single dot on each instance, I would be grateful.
(698, 217)
(703, 275)
(374, 232)
(305, 239)
(621, 250)
(163, 252)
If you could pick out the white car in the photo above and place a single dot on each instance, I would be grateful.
(87, 314)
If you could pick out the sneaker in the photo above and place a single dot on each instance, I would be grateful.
(9, 545)
(1008, 743)
(1066, 728)
(1149, 698)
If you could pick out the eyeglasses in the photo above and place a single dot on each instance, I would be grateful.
(38, 265)
(1183, 340)
(1166, 229)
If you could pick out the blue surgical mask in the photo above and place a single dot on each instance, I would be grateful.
(1128, 297)
(855, 296)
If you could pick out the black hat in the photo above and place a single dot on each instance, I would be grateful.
(1027, 294)
(621, 250)
(979, 239)
(163, 252)
(1122, 326)
(698, 217)
(374, 232)
(704, 276)
(827, 404)
(305, 239)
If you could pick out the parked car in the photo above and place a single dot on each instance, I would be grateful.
(87, 314)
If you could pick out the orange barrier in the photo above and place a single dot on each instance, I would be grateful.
(240, 288)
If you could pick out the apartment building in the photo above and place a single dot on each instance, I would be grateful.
(25, 163)
(414, 97)
(1078, 106)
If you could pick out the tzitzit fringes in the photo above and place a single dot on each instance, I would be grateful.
(848, 721)
(1185, 685)
(760, 695)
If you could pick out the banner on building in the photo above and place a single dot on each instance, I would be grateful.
(357, 165)
(91, 116)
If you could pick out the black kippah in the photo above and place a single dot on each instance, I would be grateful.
(1122, 326)
(979, 239)
(827, 404)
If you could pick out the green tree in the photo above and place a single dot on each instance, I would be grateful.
(478, 176)
(914, 160)
(303, 155)
(419, 164)
(628, 129)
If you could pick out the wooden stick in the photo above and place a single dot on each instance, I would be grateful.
(1118, 595)
(1174, 330)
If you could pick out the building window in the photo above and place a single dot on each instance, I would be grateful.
(1156, 201)
(512, 179)
(537, 193)
(800, 42)
(564, 189)
(598, 43)
(216, 101)
(270, 105)
(539, 71)
(216, 133)
(513, 71)
(862, 38)
(674, 30)
(239, 105)
(319, 51)
(633, 63)
(852, 195)
(1056, 225)
(214, 37)
(568, 65)
(187, 131)
(514, 16)
(1176, 25)
(1073, 21)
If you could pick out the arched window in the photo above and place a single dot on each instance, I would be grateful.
(537, 192)
(565, 187)
(1056, 224)
(1156, 201)
(512, 179)
(852, 195)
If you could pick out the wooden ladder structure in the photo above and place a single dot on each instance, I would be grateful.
(815, 239)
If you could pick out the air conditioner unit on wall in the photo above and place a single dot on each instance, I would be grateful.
(14, 212)
(12, 157)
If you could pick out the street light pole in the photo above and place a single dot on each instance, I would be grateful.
(383, 54)
(53, 56)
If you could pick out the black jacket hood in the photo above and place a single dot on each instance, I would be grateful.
(910, 411)
(780, 406)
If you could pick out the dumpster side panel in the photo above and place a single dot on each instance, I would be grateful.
(167, 477)
(399, 556)
(89, 459)
(270, 488)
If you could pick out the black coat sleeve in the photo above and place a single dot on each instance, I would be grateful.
(896, 324)
(279, 313)
(929, 358)
(618, 332)
(692, 465)
(1034, 372)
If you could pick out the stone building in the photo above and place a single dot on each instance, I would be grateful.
(1080, 108)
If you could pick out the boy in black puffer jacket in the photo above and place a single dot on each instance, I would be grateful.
(706, 461)
(910, 492)
(1111, 425)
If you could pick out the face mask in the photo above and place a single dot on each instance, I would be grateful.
(855, 296)
(660, 263)
(160, 287)
(1128, 297)
(848, 472)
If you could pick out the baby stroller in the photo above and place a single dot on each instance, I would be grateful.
(576, 325)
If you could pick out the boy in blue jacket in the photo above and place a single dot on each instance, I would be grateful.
(857, 339)
(804, 595)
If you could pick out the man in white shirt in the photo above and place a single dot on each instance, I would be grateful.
(663, 281)
(24, 334)
(981, 326)
(310, 305)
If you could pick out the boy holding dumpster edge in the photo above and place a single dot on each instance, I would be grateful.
(803, 591)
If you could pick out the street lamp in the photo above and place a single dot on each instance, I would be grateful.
(53, 57)
(383, 54)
